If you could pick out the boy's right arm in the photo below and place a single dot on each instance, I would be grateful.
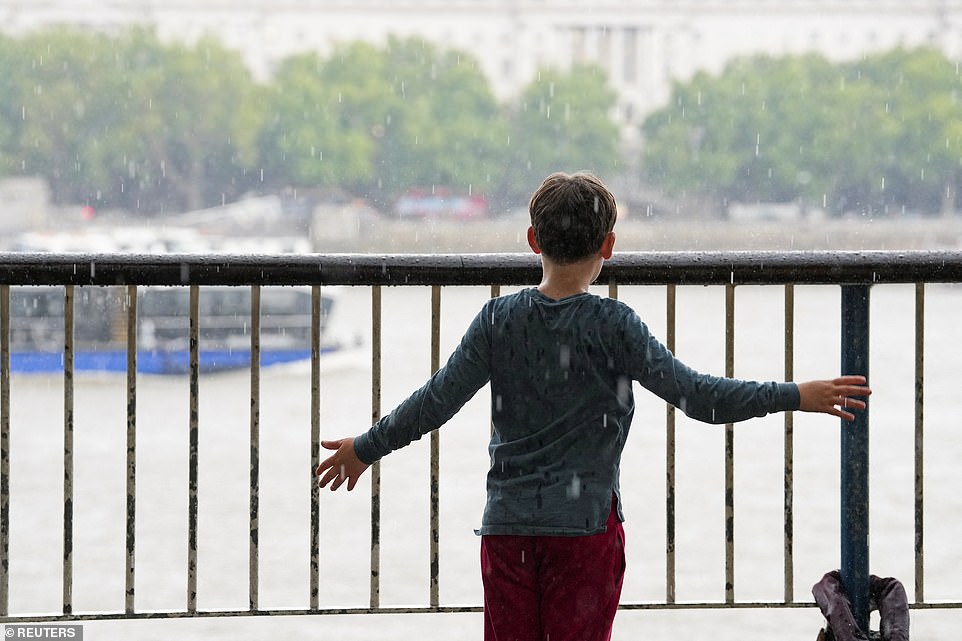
(466, 371)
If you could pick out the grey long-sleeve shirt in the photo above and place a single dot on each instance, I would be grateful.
(561, 377)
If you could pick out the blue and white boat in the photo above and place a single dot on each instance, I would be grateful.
(100, 328)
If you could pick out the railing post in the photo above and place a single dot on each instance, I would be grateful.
(434, 543)
(855, 458)
(253, 545)
(193, 444)
(376, 334)
(315, 544)
(69, 312)
(131, 529)
(4, 449)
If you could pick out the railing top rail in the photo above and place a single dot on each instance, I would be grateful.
(629, 268)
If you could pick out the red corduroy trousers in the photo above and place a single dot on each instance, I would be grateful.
(552, 588)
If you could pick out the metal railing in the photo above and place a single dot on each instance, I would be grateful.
(855, 271)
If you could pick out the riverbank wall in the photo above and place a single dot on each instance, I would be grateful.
(509, 235)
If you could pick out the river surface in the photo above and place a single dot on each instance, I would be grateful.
(162, 495)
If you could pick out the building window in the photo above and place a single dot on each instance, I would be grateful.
(578, 45)
(604, 47)
(629, 67)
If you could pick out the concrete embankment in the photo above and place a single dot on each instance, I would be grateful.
(501, 235)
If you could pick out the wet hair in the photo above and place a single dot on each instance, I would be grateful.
(571, 214)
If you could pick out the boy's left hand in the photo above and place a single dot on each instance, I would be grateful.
(834, 396)
(343, 465)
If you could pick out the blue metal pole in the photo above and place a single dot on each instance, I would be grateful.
(855, 458)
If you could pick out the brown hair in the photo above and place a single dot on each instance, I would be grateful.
(571, 214)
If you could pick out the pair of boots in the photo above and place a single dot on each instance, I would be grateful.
(886, 595)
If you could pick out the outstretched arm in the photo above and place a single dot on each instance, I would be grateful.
(834, 396)
(343, 465)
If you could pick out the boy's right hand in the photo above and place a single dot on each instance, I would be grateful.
(343, 465)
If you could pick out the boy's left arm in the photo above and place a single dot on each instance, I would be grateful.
(833, 396)
(714, 399)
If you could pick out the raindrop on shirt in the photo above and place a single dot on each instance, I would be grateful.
(565, 354)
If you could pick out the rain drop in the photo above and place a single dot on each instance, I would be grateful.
(574, 490)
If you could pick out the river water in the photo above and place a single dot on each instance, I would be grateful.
(161, 534)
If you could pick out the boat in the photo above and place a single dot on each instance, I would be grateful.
(224, 333)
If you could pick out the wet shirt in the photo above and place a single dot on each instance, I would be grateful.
(561, 377)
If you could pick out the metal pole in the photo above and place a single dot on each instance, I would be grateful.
(788, 453)
(855, 458)
(131, 530)
(670, 451)
(919, 442)
(193, 435)
(376, 333)
(315, 446)
(4, 449)
(68, 443)
(253, 545)
(435, 550)
(730, 451)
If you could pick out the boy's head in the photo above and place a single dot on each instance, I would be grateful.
(571, 214)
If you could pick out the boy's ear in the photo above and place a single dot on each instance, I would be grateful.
(532, 243)
(608, 245)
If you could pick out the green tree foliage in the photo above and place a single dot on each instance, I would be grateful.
(131, 122)
(50, 113)
(320, 120)
(756, 132)
(877, 135)
(921, 118)
(191, 143)
(10, 111)
(561, 123)
(444, 127)
(128, 122)
(378, 121)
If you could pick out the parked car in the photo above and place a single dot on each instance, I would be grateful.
(436, 204)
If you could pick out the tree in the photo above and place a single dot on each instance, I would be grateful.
(876, 135)
(47, 79)
(380, 121)
(562, 122)
(752, 133)
(444, 127)
(187, 126)
(10, 107)
(130, 123)
(920, 91)
(322, 124)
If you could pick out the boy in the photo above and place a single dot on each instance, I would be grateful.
(561, 363)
